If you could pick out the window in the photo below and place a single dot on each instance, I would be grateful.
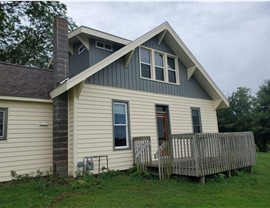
(196, 120)
(3, 124)
(81, 49)
(120, 125)
(145, 63)
(159, 66)
(104, 46)
(171, 69)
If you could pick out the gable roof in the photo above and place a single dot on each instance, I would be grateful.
(166, 33)
(27, 82)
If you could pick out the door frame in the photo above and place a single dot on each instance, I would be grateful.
(167, 115)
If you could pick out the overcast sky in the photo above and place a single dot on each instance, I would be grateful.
(230, 40)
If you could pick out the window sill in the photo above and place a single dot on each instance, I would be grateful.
(121, 148)
(164, 82)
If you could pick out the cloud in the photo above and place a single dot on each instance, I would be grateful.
(231, 40)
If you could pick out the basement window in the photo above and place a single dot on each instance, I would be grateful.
(104, 46)
(81, 49)
(3, 123)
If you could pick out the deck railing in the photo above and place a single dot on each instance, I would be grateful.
(209, 153)
(142, 152)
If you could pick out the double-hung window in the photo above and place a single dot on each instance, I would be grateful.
(3, 124)
(171, 69)
(145, 55)
(196, 120)
(120, 125)
(159, 66)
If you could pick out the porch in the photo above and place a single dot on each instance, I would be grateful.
(196, 154)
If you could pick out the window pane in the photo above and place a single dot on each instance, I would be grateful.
(158, 59)
(119, 108)
(172, 77)
(119, 119)
(146, 71)
(99, 44)
(195, 113)
(159, 74)
(171, 63)
(109, 47)
(145, 55)
(1, 130)
(197, 129)
(1, 117)
(120, 136)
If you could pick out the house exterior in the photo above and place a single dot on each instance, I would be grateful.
(103, 91)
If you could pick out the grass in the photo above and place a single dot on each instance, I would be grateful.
(123, 190)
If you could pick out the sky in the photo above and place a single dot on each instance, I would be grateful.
(231, 40)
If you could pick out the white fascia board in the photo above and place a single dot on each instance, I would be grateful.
(199, 66)
(59, 90)
(113, 57)
(96, 33)
(26, 99)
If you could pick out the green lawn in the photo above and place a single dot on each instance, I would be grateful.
(244, 190)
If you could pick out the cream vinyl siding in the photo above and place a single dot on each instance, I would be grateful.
(94, 134)
(28, 147)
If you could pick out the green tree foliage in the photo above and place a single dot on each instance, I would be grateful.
(26, 31)
(261, 121)
(238, 116)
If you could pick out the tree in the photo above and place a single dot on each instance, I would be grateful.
(26, 31)
(238, 117)
(261, 122)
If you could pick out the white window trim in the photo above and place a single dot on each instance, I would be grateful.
(126, 125)
(4, 133)
(106, 49)
(165, 66)
(81, 49)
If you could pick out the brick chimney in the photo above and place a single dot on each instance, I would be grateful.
(60, 103)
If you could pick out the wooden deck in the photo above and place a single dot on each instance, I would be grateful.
(197, 154)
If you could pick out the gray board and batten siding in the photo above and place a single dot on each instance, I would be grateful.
(116, 75)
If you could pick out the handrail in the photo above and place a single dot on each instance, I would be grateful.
(165, 160)
(142, 152)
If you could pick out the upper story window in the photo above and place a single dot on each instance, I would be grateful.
(171, 69)
(104, 46)
(196, 120)
(81, 49)
(3, 124)
(145, 63)
(159, 66)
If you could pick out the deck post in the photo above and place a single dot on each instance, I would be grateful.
(250, 169)
(228, 174)
(202, 180)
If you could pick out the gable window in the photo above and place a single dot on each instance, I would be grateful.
(145, 63)
(171, 69)
(104, 46)
(81, 49)
(159, 69)
(196, 120)
(3, 124)
(120, 125)
(158, 66)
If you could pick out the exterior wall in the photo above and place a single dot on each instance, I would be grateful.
(28, 147)
(80, 62)
(94, 120)
(116, 75)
